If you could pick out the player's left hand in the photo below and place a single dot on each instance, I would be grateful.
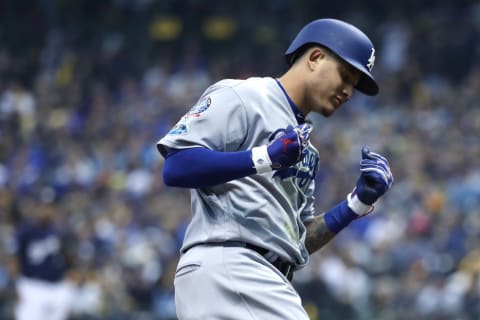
(375, 180)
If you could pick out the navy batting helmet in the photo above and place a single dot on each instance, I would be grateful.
(347, 41)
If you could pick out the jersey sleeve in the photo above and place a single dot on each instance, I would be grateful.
(217, 121)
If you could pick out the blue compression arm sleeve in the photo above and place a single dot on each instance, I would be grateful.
(202, 167)
(339, 217)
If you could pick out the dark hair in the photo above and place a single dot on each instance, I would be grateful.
(292, 58)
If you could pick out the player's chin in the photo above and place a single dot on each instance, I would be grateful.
(328, 110)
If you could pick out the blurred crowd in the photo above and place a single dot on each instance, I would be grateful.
(88, 87)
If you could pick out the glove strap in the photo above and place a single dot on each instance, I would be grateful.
(358, 206)
(261, 159)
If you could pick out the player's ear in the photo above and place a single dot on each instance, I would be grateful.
(314, 55)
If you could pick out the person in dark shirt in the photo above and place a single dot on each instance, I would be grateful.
(41, 263)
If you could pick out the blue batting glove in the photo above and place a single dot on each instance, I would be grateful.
(375, 179)
(289, 148)
(303, 132)
(284, 151)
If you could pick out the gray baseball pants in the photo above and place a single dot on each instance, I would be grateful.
(233, 283)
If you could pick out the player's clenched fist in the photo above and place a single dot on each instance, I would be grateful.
(375, 179)
(284, 151)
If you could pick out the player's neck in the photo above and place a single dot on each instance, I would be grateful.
(294, 89)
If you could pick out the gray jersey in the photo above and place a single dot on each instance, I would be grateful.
(267, 209)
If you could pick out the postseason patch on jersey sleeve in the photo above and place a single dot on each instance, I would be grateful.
(194, 113)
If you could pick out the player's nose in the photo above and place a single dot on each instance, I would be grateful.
(347, 92)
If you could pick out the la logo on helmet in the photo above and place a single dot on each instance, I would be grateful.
(371, 60)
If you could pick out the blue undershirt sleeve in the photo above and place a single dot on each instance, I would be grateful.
(339, 217)
(202, 167)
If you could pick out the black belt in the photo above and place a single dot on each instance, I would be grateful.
(284, 267)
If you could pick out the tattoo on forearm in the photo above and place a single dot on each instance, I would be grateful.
(318, 234)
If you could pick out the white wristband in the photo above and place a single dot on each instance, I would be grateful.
(261, 159)
(358, 206)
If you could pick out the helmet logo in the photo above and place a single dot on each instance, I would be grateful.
(371, 60)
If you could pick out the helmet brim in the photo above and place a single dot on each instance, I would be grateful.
(367, 84)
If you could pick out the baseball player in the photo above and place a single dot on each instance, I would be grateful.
(41, 263)
(244, 152)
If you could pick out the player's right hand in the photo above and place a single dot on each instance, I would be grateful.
(288, 149)
(284, 151)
